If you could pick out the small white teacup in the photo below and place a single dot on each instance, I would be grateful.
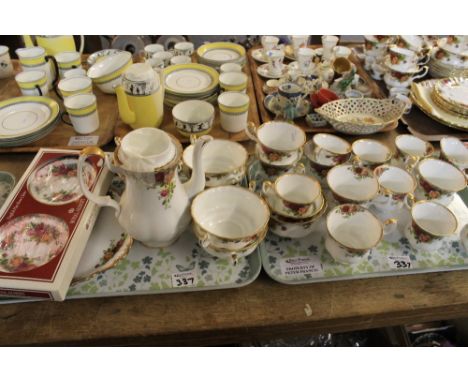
(176, 60)
(75, 85)
(430, 223)
(82, 110)
(230, 67)
(410, 150)
(370, 152)
(454, 151)
(395, 184)
(352, 231)
(151, 49)
(76, 72)
(328, 43)
(275, 62)
(164, 56)
(183, 48)
(269, 43)
(438, 180)
(33, 83)
(305, 58)
(234, 111)
(233, 81)
(67, 61)
(299, 41)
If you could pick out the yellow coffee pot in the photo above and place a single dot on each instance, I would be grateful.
(54, 44)
(140, 97)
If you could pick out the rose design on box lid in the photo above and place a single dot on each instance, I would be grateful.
(30, 241)
(56, 183)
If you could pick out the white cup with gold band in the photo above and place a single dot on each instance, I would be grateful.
(234, 110)
(33, 83)
(82, 110)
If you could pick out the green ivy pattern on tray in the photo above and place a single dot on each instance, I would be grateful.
(148, 271)
(450, 256)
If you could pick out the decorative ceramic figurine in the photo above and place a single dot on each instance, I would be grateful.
(155, 206)
(140, 97)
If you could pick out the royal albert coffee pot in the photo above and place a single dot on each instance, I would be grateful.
(155, 206)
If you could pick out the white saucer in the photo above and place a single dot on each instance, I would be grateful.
(287, 161)
(275, 204)
(257, 55)
(263, 71)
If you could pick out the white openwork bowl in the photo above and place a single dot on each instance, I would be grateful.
(357, 116)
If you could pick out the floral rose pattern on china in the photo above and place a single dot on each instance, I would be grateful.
(429, 191)
(30, 241)
(295, 208)
(275, 156)
(57, 182)
(347, 210)
(361, 172)
(164, 180)
(396, 58)
(420, 235)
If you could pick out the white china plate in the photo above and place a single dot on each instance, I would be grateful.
(263, 71)
(30, 241)
(454, 91)
(221, 55)
(56, 183)
(23, 118)
(257, 55)
(188, 81)
(107, 245)
(421, 95)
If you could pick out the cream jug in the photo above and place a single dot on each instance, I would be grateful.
(155, 206)
(54, 44)
(140, 97)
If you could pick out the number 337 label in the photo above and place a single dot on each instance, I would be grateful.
(399, 262)
(184, 279)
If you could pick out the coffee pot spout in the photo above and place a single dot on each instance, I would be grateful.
(196, 183)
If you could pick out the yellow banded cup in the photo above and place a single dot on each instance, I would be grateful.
(75, 85)
(82, 111)
(233, 81)
(35, 58)
(32, 83)
(234, 110)
(67, 61)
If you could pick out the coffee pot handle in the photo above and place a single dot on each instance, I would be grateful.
(102, 201)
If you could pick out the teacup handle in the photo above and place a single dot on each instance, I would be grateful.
(389, 226)
(424, 60)
(62, 117)
(251, 131)
(409, 201)
(267, 186)
(299, 168)
(56, 69)
(102, 201)
(411, 162)
(424, 71)
(253, 185)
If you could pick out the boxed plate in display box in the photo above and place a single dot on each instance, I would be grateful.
(45, 225)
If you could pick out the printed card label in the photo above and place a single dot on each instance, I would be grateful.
(83, 140)
(399, 262)
(184, 279)
(300, 266)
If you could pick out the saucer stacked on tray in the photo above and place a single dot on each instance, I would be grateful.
(216, 54)
(443, 101)
(451, 94)
(24, 120)
(190, 81)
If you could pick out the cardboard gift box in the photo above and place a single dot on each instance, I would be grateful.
(45, 224)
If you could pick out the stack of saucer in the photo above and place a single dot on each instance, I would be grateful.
(190, 81)
(215, 54)
(451, 94)
(296, 204)
(26, 119)
(450, 57)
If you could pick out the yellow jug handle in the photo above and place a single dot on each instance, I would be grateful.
(28, 42)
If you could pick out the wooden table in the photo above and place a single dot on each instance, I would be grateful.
(264, 309)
